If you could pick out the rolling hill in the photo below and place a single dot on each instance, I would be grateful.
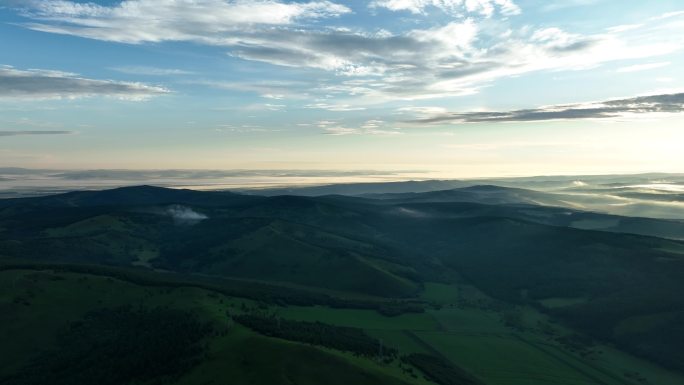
(606, 279)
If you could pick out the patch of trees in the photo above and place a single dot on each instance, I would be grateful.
(439, 370)
(393, 309)
(257, 291)
(660, 342)
(316, 333)
(123, 345)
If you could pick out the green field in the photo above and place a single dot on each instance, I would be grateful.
(440, 293)
(477, 339)
(37, 305)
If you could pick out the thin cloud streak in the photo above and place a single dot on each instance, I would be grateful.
(45, 84)
(28, 133)
(151, 71)
(453, 7)
(643, 67)
(611, 109)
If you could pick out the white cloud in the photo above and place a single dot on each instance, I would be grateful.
(274, 90)
(151, 71)
(275, 107)
(372, 124)
(624, 27)
(643, 67)
(185, 214)
(334, 107)
(452, 7)
(47, 84)
(138, 21)
(457, 58)
(556, 5)
(668, 15)
(369, 127)
(423, 112)
(341, 131)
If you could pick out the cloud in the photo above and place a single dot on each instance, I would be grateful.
(273, 89)
(341, 131)
(611, 109)
(185, 215)
(369, 127)
(333, 107)
(457, 58)
(45, 84)
(423, 112)
(138, 21)
(25, 133)
(551, 6)
(668, 15)
(643, 67)
(624, 27)
(151, 71)
(452, 7)
(28, 122)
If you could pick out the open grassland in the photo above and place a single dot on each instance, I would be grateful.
(497, 344)
(39, 305)
(242, 357)
(440, 293)
(494, 343)
(501, 359)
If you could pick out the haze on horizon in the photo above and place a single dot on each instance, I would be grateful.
(452, 88)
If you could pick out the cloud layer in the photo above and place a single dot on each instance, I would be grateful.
(456, 58)
(611, 109)
(139, 21)
(453, 7)
(26, 133)
(43, 84)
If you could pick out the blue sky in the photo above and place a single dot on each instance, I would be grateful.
(459, 87)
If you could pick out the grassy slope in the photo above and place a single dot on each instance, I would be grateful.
(285, 252)
(468, 330)
(470, 335)
(50, 301)
(244, 358)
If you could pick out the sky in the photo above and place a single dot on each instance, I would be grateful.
(448, 88)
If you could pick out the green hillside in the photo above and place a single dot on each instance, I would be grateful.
(492, 294)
